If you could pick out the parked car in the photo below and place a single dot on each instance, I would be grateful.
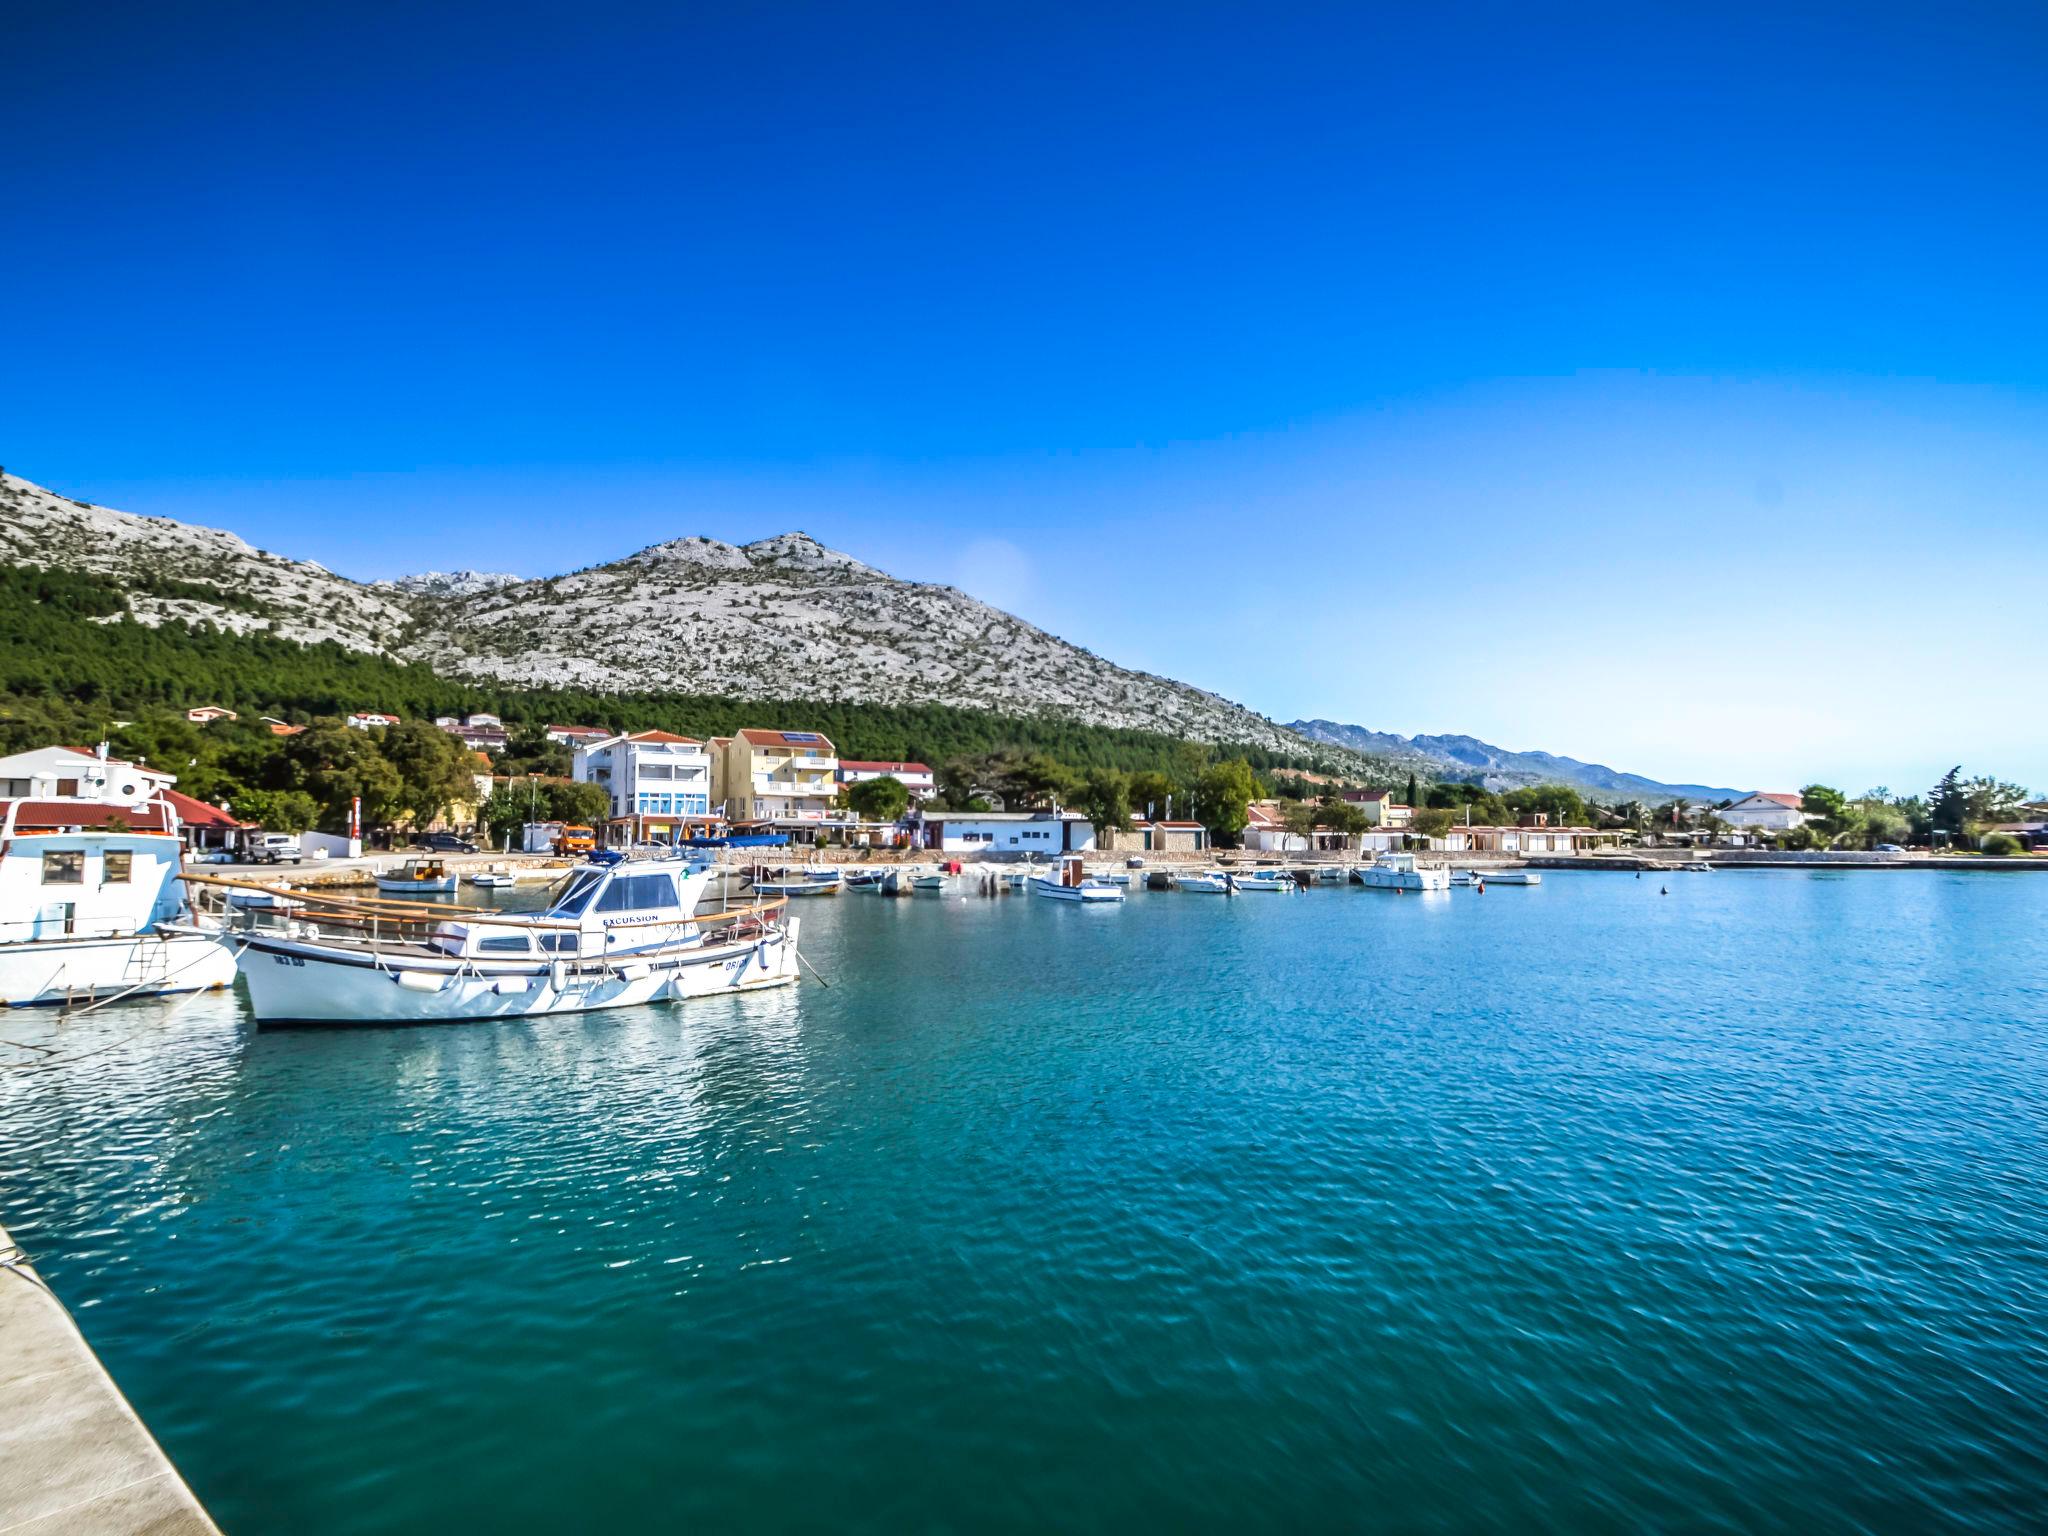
(214, 856)
(444, 842)
(1887, 848)
(275, 848)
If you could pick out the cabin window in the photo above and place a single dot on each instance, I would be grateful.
(64, 868)
(117, 867)
(557, 942)
(503, 944)
(637, 893)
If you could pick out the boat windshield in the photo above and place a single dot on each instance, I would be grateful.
(577, 895)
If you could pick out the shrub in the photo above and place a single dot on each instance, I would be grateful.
(2003, 844)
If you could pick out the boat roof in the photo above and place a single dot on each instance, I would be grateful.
(87, 815)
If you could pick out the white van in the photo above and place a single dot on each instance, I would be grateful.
(275, 848)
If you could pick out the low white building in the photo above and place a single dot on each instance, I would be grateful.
(915, 777)
(573, 736)
(660, 779)
(67, 773)
(363, 719)
(1012, 833)
(1765, 811)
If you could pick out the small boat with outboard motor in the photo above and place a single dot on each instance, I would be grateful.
(1252, 880)
(418, 877)
(493, 880)
(798, 882)
(1511, 877)
(1203, 882)
(1070, 881)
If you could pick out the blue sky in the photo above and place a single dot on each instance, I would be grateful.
(1663, 388)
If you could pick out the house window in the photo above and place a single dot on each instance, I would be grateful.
(64, 868)
(118, 867)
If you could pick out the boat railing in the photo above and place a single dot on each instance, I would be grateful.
(375, 919)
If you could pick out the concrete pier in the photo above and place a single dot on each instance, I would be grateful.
(74, 1458)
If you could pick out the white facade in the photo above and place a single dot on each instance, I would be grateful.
(915, 777)
(364, 719)
(651, 773)
(1016, 833)
(64, 773)
(1766, 812)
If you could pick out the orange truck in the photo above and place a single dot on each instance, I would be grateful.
(575, 839)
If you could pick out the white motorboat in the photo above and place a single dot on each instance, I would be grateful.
(1466, 877)
(617, 936)
(1262, 880)
(1401, 872)
(1512, 877)
(418, 877)
(1070, 882)
(788, 882)
(930, 882)
(91, 905)
(1329, 874)
(863, 880)
(1203, 882)
(492, 880)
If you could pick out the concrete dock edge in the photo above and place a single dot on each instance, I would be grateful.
(74, 1456)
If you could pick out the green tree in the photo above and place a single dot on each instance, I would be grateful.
(1222, 794)
(1434, 822)
(435, 769)
(879, 799)
(276, 810)
(505, 809)
(1824, 804)
(1560, 802)
(335, 764)
(1151, 793)
(1411, 800)
(1106, 799)
(1947, 805)
(2002, 845)
(585, 805)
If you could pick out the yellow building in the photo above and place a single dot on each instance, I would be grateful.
(771, 775)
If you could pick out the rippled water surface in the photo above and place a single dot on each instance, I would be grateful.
(1580, 1208)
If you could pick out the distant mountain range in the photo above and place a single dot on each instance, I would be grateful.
(1467, 757)
(783, 617)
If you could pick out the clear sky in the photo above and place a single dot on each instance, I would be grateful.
(1662, 386)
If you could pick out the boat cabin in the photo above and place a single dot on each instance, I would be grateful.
(86, 869)
(604, 909)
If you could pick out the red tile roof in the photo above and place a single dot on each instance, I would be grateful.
(197, 813)
(665, 738)
(867, 767)
(578, 730)
(48, 815)
(1794, 801)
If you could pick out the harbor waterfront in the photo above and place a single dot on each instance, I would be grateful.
(1694, 1200)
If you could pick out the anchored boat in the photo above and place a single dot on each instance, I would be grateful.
(1400, 872)
(616, 936)
(799, 882)
(419, 877)
(90, 905)
(1203, 882)
(1071, 883)
(1262, 880)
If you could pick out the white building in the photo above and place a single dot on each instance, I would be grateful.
(573, 736)
(1013, 833)
(1765, 811)
(660, 778)
(915, 777)
(362, 720)
(67, 773)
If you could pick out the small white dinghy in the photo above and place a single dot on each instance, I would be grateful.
(1070, 882)
(1203, 882)
(1262, 880)
(810, 882)
(1513, 877)
(930, 882)
(492, 880)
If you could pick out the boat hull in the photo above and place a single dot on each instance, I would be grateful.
(1405, 880)
(443, 887)
(1093, 895)
(57, 971)
(302, 982)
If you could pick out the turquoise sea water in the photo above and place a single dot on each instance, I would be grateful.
(1581, 1208)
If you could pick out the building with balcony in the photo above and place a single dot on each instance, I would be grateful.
(659, 783)
(915, 777)
(775, 775)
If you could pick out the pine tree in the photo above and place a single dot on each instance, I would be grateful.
(1946, 803)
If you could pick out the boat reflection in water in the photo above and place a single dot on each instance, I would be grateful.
(616, 936)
